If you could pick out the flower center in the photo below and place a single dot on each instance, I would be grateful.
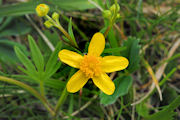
(90, 65)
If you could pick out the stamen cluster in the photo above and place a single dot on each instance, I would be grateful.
(91, 66)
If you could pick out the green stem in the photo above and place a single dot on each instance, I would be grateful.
(58, 25)
(60, 101)
(76, 28)
(112, 21)
(41, 86)
(122, 107)
(107, 31)
(31, 90)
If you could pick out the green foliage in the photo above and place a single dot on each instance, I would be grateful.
(7, 54)
(169, 95)
(132, 53)
(36, 54)
(30, 68)
(29, 7)
(122, 84)
(5, 22)
(114, 50)
(53, 65)
(70, 31)
(38, 71)
(167, 113)
(112, 39)
(53, 38)
(153, 24)
(142, 109)
(15, 27)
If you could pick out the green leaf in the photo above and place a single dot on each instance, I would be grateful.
(36, 54)
(55, 84)
(122, 84)
(70, 31)
(114, 50)
(7, 54)
(52, 71)
(24, 60)
(169, 95)
(18, 9)
(132, 53)
(15, 27)
(5, 22)
(142, 109)
(167, 113)
(32, 75)
(53, 64)
(29, 7)
(71, 5)
(81, 33)
(112, 39)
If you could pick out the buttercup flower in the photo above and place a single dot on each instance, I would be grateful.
(93, 66)
(42, 10)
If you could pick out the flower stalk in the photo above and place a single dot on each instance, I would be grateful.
(41, 87)
(111, 15)
(60, 101)
(57, 24)
(42, 11)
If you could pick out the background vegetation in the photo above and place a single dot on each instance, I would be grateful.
(147, 33)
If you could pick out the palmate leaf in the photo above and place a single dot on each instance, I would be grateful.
(132, 53)
(167, 113)
(36, 68)
(122, 84)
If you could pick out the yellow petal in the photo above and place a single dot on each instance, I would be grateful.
(76, 82)
(97, 44)
(104, 83)
(71, 58)
(114, 63)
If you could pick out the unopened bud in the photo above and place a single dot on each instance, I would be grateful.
(48, 24)
(118, 16)
(55, 16)
(42, 10)
(113, 7)
(107, 14)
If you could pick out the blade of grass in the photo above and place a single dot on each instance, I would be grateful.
(149, 69)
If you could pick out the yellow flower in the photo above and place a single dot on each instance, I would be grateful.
(42, 10)
(93, 66)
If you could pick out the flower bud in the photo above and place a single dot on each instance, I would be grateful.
(107, 14)
(48, 24)
(55, 16)
(118, 16)
(42, 10)
(113, 8)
